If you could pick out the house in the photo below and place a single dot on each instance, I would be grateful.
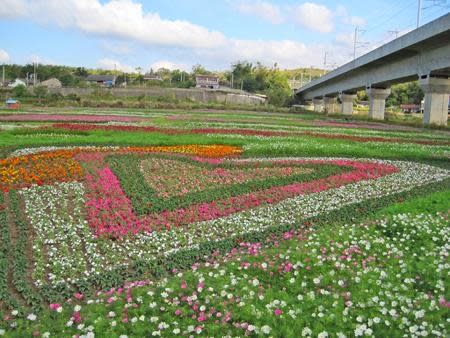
(207, 81)
(410, 108)
(102, 80)
(51, 83)
(17, 82)
(152, 77)
(12, 104)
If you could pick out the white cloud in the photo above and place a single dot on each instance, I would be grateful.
(169, 65)
(123, 19)
(111, 64)
(314, 16)
(262, 9)
(13, 8)
(123, 23)
(4, 56)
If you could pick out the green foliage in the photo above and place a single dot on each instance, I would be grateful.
(405, 93)
(260, 79)
(20, 91)
(40, 91)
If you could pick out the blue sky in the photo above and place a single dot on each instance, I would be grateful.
(126, 34)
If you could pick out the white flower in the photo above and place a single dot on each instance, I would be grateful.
(419, 314)
(176, 331)
(77, 308)
(306, 332)
(2, 332)
(266, 329)
(31, 317)
(322, 334)
(123, 336)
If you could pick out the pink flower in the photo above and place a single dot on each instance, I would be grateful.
(178, 312)
(77, 317)
(78, 296)
(202, 317)
(277, 312)
(55, 306)
(183, 284)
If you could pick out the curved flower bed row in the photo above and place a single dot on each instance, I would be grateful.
(52, 210)
(69, 117)
(50, 165)
(245, 132)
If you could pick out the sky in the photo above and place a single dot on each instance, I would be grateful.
(132, 35)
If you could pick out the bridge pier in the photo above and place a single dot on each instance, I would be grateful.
(377, 97)
(318, 105)
(437, 91)
(329, 104)
(347, 103)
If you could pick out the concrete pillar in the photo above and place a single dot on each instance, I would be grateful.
(329, 102)
(318, 105)
(377, 97)
(347, 103)
(437, 91)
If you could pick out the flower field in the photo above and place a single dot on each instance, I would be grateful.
(195, 224)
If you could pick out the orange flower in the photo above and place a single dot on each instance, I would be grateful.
(60, 165)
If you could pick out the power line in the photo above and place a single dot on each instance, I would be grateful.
(379, 25)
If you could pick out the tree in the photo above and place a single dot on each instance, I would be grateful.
(20, 91)
(278, 92)
(40, 92)
(199, 70)
(405, 93)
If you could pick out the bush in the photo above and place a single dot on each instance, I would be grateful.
(20, 91)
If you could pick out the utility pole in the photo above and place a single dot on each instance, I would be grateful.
(34, 75)
(3, 76)
(354, 42)
(232, 80)
(419, 9)
(325, 63)
(242, 84)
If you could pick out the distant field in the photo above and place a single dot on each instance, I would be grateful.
(132, 223)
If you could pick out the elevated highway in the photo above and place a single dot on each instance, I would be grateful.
(422, 54)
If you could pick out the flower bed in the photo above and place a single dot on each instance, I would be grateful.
(52, 210)
(131, 212)
(246, 132)
(68, 117)
(355, 281)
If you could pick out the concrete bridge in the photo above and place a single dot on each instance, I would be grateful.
(422, 54)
